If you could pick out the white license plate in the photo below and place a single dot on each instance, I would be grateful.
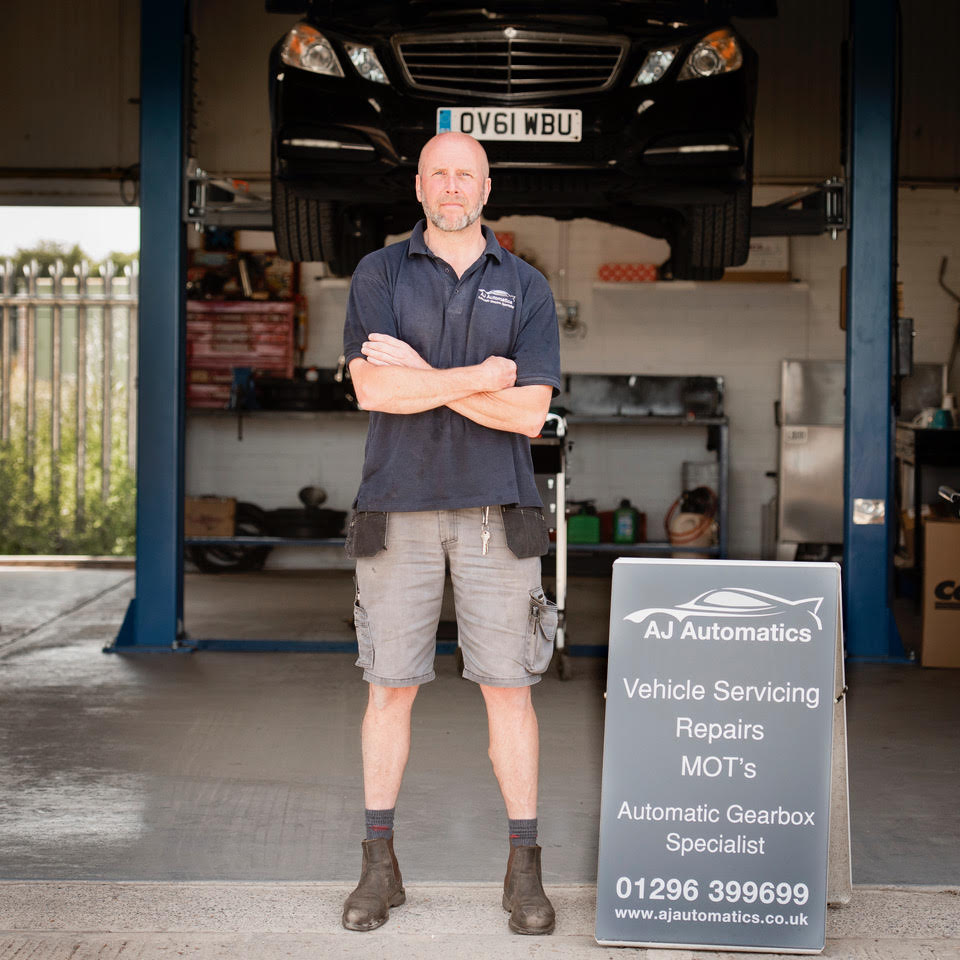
(511, 123)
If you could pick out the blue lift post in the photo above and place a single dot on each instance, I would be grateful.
(871, 632)
(154, 617)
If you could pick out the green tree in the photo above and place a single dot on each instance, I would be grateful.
(48, 252)
(122, 260)
(41, 510)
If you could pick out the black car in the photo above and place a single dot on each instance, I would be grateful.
(633, 112)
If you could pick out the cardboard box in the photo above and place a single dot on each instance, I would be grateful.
(209, 516)
(940, 646)
(767, 255)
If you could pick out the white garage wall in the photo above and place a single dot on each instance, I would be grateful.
(738, 330)
(929, 231)
(71, 75)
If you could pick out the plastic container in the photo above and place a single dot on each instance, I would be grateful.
(946, 417)
(625, 523)
(583, 528)
(942, 419)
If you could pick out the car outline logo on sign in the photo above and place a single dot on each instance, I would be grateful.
(733, 602)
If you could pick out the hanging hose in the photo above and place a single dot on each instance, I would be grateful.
(701, 501)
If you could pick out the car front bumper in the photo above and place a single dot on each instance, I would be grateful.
(358, 142)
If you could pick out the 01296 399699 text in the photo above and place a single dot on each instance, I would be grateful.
(674, 889)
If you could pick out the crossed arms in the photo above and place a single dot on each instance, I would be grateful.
(392, 377)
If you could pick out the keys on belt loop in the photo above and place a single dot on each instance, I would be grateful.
(484, 530)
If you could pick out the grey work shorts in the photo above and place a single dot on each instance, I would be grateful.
(506, 624)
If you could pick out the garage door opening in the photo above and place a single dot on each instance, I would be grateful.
(67, 379)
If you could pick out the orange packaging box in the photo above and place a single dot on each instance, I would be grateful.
(627, 272)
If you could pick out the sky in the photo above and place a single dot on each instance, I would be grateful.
(98, 230)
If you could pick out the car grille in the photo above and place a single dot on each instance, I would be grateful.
(510, 64)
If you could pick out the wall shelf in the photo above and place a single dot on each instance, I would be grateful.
(718, 429)
(678, 285)
(657, 547)
(632, 420)
(278, 414)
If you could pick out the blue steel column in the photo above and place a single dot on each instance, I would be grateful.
(154, 617)
(868, 454)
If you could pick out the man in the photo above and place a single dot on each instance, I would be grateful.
(452, 343)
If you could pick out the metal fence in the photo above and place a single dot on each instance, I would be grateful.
(68, 369)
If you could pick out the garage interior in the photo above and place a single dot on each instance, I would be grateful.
(197, 764)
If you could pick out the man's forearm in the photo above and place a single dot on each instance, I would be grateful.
(404, 390)
(514, 410)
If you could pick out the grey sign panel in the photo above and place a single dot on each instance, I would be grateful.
(715, 805)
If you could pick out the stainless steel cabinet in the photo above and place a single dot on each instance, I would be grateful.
(810, 460)
(810, 468)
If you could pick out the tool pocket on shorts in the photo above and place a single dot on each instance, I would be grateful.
(366, 534)
(541, 632)
(361, 623)
(526, 531)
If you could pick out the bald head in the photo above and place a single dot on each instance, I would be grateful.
(453, 182)
(447, 147)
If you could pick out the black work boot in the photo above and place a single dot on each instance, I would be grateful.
(523, 896)
(379, 889)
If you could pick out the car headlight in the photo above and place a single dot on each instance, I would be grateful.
(366, 62)
(655, 65)
(308, 49)
(716, 53)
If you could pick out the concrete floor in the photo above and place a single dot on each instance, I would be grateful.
(290, 921)
(208, 769)
(244, 766)
(318, 604)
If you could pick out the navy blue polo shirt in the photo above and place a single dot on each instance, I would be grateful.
(439, 459)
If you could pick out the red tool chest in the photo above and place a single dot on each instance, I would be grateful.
(223, 334)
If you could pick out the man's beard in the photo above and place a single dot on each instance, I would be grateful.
(450, 225)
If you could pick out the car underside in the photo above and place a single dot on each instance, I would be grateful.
(592, 110)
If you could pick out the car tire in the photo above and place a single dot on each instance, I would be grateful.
(713, 236)
(297, 224)
(308, 230)
(360, 233)
(720, 232)
(671, 270)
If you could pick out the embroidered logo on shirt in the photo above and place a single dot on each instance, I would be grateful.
(499, 297)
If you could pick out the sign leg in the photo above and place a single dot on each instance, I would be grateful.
(839, 863)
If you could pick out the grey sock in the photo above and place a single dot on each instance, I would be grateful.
(379, 824)
(523, 833)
